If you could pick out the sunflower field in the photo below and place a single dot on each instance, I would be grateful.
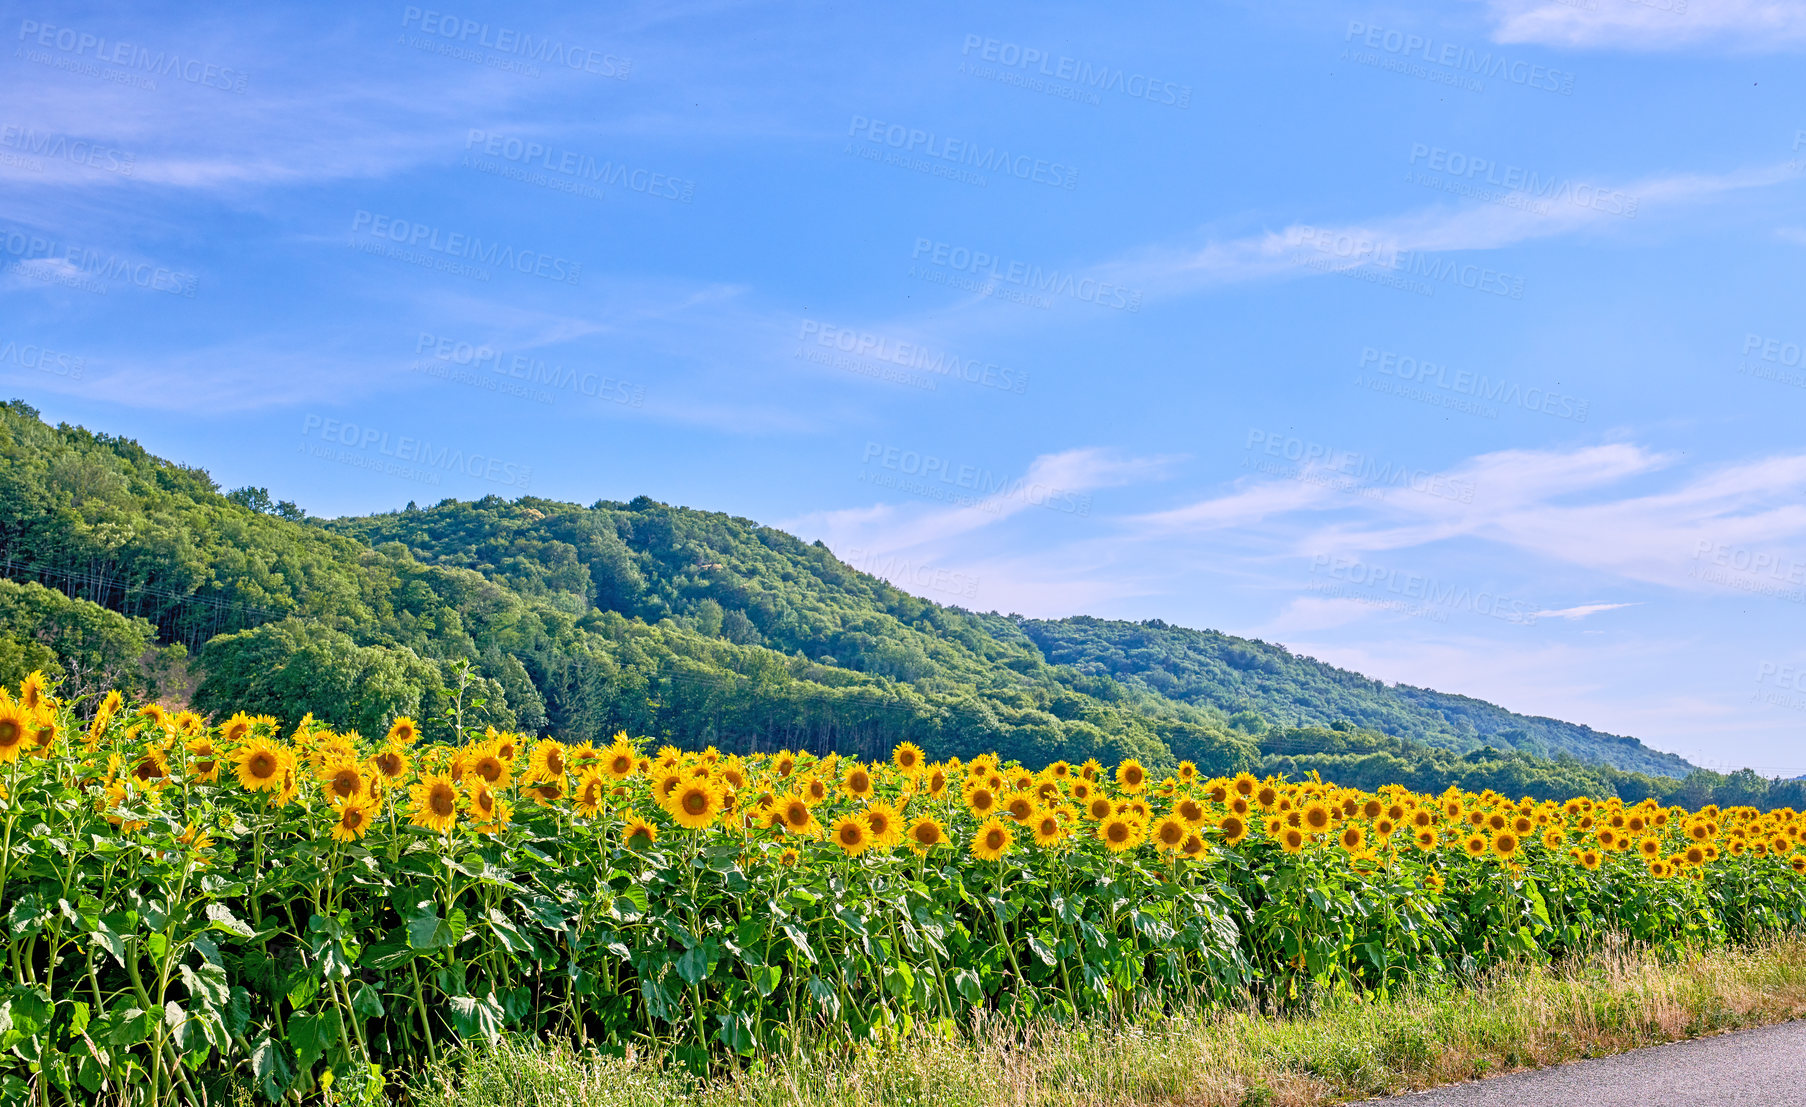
(190, 905)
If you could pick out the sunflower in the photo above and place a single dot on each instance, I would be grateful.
(1266, 795)
(1049, 829)
(1316, 817)
(907, 757)
(815, 790)
(1091, 769)
(34, 690)
(16, 731)
(546, 793)
(618, 758)
(482, 800)
(353, 820)
(1505, 845)
(392, 761)
(637, 833)
(1352, 838)
(261, 765)
(798, 819)
(1169, 833)
(547, 761)
(992, 840)
(1695, 855)
(1233, 829)
(789, 857)
(1291, 839)
(1131, 777)
(937, 783)
(1476, 845)
(434, 803)
(885, 823)
(1192, 811)
(981, 800)
(696, 803)
(926, 833)
(852, 835)
(1649, 848)
(494, 771)
(1553, 838)
(1119, 833)
(592, 791)
(1798, 863)
(857, 783)
(1020, 806)
(1589, 859)
(403, 731)
(151, 769)
(342, 780)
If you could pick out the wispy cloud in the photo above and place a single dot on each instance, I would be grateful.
(1753, 25)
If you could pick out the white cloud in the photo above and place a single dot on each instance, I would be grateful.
(1758, 25)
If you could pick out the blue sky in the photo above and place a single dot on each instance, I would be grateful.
(1459, 343)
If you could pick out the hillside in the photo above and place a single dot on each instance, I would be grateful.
(1233, 674)
(692, 626)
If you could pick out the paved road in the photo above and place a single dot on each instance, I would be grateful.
(1751, 1068)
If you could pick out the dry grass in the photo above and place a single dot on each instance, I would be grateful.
(1608, 1002)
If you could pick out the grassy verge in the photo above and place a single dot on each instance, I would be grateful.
(1610, 1001)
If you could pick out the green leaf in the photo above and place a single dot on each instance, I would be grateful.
(428, 931)
(312, 1035)
(472, 1017)
(270, 1067)
(366, 1000)
(220, 917)
(693, 966)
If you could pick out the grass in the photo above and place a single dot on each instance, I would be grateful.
(1609, 1001)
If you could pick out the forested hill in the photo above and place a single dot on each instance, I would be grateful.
(689, 626)
(1240, 674)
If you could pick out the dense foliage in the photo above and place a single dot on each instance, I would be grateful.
(1283, 688)
(309, 909)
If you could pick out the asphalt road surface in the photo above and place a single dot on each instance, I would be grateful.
(1751, 1068)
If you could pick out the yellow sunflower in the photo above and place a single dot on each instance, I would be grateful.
(885, 823)
(1131, 777)
(852, 835)
(992, 840)
(261, 765)
(1169, 833)
(1119, 833)
(353, 820)
(546, 762)
(433, 802)
(403, 731)
(1049, 829)
(907, 757)
(592, 792)
(637, 833)
(926, 833)
(696, 803)
(343, 780)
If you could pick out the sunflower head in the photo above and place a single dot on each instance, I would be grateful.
(1119, 833)
(262, 765)
(1131, 776)
(353, 820)
(696, 803)
(433, 803)
(907, 757)
(17, 731)
(1169, 833)
(1352, 839)
(637, 833)
(852, 835)
(926, 833)
(992, 840)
